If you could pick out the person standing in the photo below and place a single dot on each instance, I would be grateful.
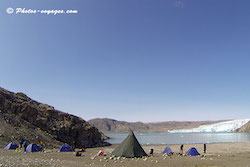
(25, 144)
(205, 148)
(181, 149)
(20, 143)
(41, 144)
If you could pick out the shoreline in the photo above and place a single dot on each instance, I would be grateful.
(175, 133)
(185, 138)
(181, 144)
(189, 143)
(200, 146)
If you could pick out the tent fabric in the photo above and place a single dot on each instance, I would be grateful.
(33, 148)
(167, 150)
(11, 145)
(65, 148)
(193, 152)
(129, 148)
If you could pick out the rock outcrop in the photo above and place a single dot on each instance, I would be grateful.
(244, 128)
(22, 117)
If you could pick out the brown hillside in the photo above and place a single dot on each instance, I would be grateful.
(22, 117)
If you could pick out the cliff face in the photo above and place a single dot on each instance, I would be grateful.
(113, 126)
(244, 128)
(31, 120)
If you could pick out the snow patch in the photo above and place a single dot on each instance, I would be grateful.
(227, 126)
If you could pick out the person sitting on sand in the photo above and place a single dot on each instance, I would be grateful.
(78, 153)
(151, 152)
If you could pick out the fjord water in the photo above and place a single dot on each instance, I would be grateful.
(181, 138)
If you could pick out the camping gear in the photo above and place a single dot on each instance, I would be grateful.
(100, 153)
(33, 148)
(129, 148)
(193, 152)
(11, 146)
(167, 151)
(65, 148)
(82, 149)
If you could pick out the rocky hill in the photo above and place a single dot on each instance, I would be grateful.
(113, 126)
(106, 125)
(244, 128)
(23, 118)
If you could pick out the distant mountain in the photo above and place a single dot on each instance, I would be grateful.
(23, 118)
(107, 125)
(113, 126)
(244, 128)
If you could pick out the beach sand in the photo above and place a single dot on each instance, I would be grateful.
(218, 154)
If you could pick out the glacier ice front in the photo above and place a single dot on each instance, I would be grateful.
(226, 126)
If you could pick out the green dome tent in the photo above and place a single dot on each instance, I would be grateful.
(129, 148)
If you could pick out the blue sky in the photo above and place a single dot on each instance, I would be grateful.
(133, 60)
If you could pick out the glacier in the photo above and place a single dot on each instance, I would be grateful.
(226, 126)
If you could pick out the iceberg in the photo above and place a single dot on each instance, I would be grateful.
(226, 126)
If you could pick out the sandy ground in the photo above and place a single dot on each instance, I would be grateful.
(218, 154)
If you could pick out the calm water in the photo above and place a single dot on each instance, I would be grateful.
(181, 138)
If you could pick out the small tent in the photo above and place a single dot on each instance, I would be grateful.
(129, 148)
(167, 150)
(65, 148)
(193, 152)
(11, 145)
(33, 148)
